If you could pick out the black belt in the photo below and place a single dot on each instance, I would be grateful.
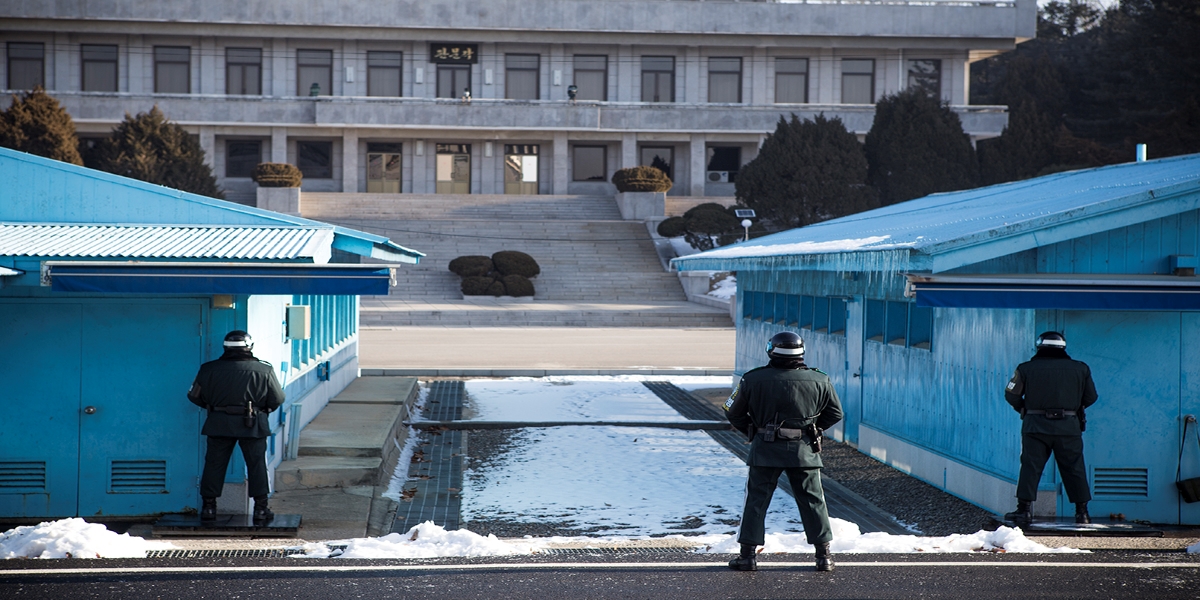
(1052, 413)
(229, 410)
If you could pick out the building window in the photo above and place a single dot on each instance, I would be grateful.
(243, 71)
(314, 68)
(589, 164)
(793, 310)
(820, 314)
(791, 80)
(897, 323)
(658, 79)
(241, 157)
(383, 168)
(926, 75)
(383, 73)
(172, 70)
(99, 67)
(315, 159)
(591, 77)
(453, 81)
(873, 325)
(724, 80)
(837, 316)
(521, 76)
(26, 65)
(453, 172)
(805, 319)
(920, 327)
(858, 81)
(659, 158)
(521, 169)
(723, 163)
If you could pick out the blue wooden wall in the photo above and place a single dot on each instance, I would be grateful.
(1141, 249)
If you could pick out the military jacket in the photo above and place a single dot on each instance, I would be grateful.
(791, 397)
(1051, 383)
(234, 383)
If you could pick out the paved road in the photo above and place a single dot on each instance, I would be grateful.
(1098, 575)
(546, 348)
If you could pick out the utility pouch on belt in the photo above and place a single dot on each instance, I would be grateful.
(1054, 414)
(769, 432)
(248, 420)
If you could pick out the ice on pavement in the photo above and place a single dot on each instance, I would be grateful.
(73, 538)
(562, 399)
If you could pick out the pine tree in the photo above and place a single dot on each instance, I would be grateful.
(917, 147)
(806, 171)
(36, 123)
(151, 148)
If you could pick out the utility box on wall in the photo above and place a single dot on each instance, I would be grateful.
(299, 322)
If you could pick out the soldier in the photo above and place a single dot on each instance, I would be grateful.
(783, 408)
(1051, 392)
(238, 391)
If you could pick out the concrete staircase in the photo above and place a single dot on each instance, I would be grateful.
(597, 270)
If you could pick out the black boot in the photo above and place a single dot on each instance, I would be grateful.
(262, 513)
(1081, 513)
(208, 510)
(824, 557)
(747, 561)
(1023, 515)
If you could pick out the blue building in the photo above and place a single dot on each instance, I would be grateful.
(920, 311)
(113, 291)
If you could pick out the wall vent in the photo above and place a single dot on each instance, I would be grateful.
(22, 477)
(1116, 482)
(138, 477)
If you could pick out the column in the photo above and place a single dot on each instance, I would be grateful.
(208, 143)
(759, 74)
(349, 161)
(558, 63)
(206, 82)
(560, 179)
(827, 71)
(627, 67)
(279, 153)
(629, 153)
(59, 61)
(422, 150)
(279, 70)
(697, 153)
(138, 70)
(351, 64)
(690, 91)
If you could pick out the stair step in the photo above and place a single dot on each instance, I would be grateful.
(327, 471)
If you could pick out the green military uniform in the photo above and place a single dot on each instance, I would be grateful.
(1040, 389)
(225, 387)
(792, 398)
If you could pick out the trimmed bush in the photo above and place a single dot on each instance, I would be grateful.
(471, 266)
(277, 175)
(641, 179)
(478, 286)
(672, 227)
(511, 262)
(517, 285)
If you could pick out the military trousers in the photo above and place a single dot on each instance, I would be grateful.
(810, 499)
(1036, 449)
(216, 461)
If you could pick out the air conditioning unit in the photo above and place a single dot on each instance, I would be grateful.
(718, 176)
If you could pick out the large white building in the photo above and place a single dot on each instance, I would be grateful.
(475, 96)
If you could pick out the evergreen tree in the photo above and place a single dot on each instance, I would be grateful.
(37, 124)
(151, 148)
(916, 147)
(806, 171)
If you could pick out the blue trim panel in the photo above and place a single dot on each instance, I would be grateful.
(1063, 297)
(207, 279)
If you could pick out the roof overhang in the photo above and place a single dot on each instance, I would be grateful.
(216, 278)
(7, 272)
(1064, 292)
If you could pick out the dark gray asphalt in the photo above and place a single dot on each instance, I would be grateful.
(1098, 575)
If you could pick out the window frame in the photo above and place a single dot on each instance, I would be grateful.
(603, 162)
(920, 327)
(229, 144)
(873, 323)
(510, 70)
(917, 79)
(160, 62)
(242, 61)
(372, 69)
(791, 73)
(85, 61)
(719, 73)
(303, 89)
(657, 74)
(18, 47)
(896, 323)
(869, 75)
(450, 73)
(576, 70)
(311, 171)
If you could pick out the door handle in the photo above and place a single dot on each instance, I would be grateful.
(90, 410)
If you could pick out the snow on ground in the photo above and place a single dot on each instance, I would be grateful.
(566, 399)
(73, 538)
(725, 288)
(400, 475)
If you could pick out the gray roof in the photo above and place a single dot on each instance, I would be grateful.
(305, 244)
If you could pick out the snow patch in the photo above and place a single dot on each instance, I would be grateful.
(847, 245)
(848, 540)
(73, 538)
(725, 288)
(1194, 548)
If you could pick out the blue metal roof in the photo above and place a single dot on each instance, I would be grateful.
(949, 230)
(308, 244)
(40, 190)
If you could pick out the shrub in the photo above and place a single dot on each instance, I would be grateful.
(478, 286)
(672, 227)
(471, 266)
(277, 175)
(641, 179)
(511, 262)
(153, 149)
(517, 285)
(36, 123)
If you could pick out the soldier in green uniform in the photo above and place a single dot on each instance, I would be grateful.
(783, 408)
(1051, 392)
(238, 391)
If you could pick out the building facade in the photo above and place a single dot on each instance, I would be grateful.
(498, 97)
(920, 312)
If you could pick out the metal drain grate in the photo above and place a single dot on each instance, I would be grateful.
(606, 551)
(240, 553)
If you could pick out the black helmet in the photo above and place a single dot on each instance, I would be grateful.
(239, 340)
(785, 344)
(1052, 339)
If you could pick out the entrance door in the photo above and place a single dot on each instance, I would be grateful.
(383, 173)
(1132, 436)
(852, 401)
(453, 80)
(454, 168)
(659, 158)
(521, 169)
(1189, 400)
